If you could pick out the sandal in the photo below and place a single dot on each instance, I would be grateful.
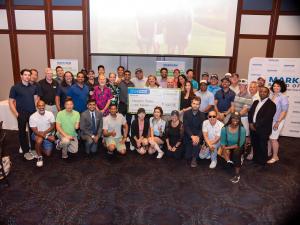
(271, 161)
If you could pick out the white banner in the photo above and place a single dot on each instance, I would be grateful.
(287, 69)
(171, 66)
(149, 98)
(66, 64)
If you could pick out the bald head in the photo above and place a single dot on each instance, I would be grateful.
(48, 74)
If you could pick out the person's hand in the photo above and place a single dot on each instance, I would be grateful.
(252, 127)
(138, 143)
(174, 149)
(169, 147)
(96, 138)
(122, 142)
(276, 125)
(70, 138)
(211, 147)
(16, 114)
(195, 139)
(113, 133)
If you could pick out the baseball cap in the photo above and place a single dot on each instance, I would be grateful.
(205, 74)
(214, 76)
(227, 75)
(203, 81)
(262, 77)
(138, 70)
(225, 78)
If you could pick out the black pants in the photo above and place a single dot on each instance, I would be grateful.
(260, 147)
(23, 120)
(123, 110)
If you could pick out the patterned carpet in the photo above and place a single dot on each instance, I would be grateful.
(141, 190)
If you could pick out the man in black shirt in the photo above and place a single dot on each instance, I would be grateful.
(192, 122)
(48, 89)
(22, 99)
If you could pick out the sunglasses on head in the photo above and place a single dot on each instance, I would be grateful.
(212, 116)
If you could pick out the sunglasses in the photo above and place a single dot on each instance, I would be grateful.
(212, 116)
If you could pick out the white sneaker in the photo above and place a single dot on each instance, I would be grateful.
(213, 164)
(39, 162)
(160, 155)
(132, 148)
(20, 150)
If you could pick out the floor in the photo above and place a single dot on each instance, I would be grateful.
(141, 190)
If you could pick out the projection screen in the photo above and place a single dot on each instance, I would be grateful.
(162, 27)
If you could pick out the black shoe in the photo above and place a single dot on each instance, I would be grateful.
(194, 163)
(235, 179)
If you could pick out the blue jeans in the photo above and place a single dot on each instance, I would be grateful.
(90, 146)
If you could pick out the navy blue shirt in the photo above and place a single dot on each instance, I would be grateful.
(193, 123)
(224, 99)
(24, 97)
(79, 96)
(62, 93)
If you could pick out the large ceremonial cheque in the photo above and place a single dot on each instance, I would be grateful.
(287, 69)
(149, 98)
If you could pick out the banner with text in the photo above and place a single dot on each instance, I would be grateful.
(287, 69)
(67, 64)
(171, 66)
(149, 98)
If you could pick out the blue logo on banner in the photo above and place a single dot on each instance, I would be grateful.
(138, 91)
(287, 80)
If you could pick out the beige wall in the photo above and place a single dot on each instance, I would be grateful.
(69, 47)
(6, 71)
(33, 52)
(287, 49)
(249, 48)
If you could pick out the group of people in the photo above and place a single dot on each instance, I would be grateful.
(214, 118)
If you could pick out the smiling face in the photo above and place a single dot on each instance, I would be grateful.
(276, 88)
(212, 117)
(102, 80)
(41, 107)
(91, 106)
(112, 78)
(156, 114)
(264, 93)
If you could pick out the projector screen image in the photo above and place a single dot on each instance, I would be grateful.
(163, 27)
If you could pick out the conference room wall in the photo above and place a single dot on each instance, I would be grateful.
(287, 49)
(6, 70)
(249, 48)
(33, 52)
(69, 47)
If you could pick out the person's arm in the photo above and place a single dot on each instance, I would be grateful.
(100, 128)
(12, 106)
(106, 133)
(216, 106)
(106, 106)
(37, 133)
(61, 131)
(125, 131)
(57, 103)
(186, 124)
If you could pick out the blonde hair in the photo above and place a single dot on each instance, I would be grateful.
(147, 82)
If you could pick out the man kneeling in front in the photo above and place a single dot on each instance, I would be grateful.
(42, 124)
(67, 122)
(112, 125)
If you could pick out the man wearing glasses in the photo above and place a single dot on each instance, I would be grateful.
(211, 130)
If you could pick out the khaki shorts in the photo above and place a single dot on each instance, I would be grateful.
(116, 142)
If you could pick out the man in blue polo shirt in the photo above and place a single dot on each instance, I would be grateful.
(79, 92)
(223, 99)
(22, 99)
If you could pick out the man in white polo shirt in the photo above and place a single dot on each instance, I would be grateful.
(42, 123)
